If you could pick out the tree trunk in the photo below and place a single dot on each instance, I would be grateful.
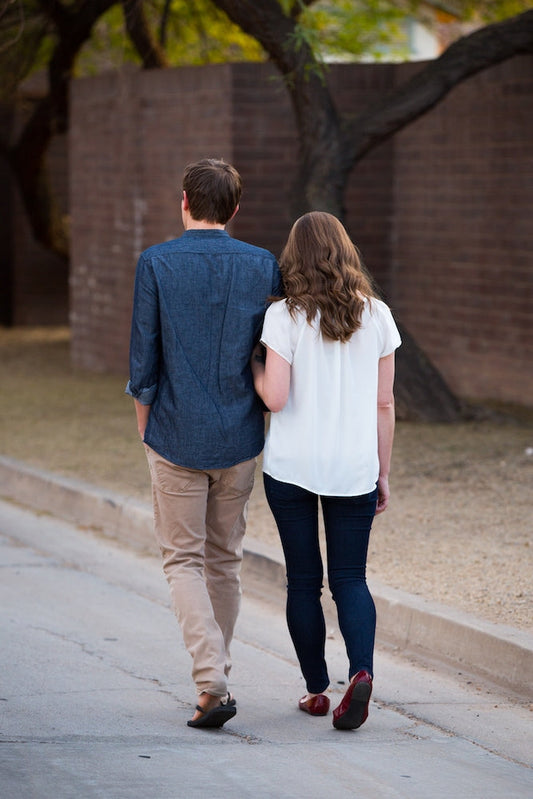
(322, 171)
(27, 160)
(27, 157)
(421, 393)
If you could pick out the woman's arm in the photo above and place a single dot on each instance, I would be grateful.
(386, 422)
(272, 378)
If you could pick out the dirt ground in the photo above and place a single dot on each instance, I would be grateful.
(459, 527)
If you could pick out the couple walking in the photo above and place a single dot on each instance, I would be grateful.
(206, 361)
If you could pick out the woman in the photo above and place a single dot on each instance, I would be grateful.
(328, 380)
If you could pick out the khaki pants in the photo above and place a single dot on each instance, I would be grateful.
(200, 519)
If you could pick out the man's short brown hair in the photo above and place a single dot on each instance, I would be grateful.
(213, 190)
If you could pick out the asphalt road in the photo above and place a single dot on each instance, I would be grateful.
(95, 692)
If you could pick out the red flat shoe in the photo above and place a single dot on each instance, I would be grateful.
(316, 705)
(353, 710)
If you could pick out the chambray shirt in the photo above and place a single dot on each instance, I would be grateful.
(199, 303)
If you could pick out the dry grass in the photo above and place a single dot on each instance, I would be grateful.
(459, 527)
(71, 422)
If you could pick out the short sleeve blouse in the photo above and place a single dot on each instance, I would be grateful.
(325, 438)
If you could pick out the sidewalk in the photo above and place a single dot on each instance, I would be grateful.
(408, 624)
(96, 692)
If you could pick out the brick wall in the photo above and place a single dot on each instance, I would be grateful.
(441, 213)
(461, 277)
(265, 150)
(130, 137)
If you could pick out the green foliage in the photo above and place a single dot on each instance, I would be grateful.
(196, 32)
(354, 30)
(199, 33)
(351, 31)
(109, 47)
(23, 47)
(192, 33)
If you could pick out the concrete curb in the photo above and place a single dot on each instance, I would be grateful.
(409, 623)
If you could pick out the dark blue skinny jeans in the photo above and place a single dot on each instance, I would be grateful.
(347, 523)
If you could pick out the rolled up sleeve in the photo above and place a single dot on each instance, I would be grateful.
(145, 341)
(145, 396)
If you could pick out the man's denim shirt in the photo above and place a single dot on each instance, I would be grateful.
(198, 310)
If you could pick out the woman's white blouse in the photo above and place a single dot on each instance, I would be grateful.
(325, 438)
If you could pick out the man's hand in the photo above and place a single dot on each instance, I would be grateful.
(142, 412)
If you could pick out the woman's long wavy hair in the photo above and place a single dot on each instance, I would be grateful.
(322, 271)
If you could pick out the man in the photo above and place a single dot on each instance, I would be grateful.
(198, 309)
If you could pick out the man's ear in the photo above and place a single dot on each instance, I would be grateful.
(234, 213)
(185, 202)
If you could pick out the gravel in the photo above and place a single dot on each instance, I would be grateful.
(459, 527)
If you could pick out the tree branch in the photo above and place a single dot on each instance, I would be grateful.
(298, 6)
(267, 23)
(466, 57)
(163, 23)
(151, 54)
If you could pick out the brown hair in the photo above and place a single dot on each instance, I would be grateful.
(322, 271)
(213, 190)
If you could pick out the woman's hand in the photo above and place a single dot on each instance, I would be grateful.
(383, 494)
(386, 422)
